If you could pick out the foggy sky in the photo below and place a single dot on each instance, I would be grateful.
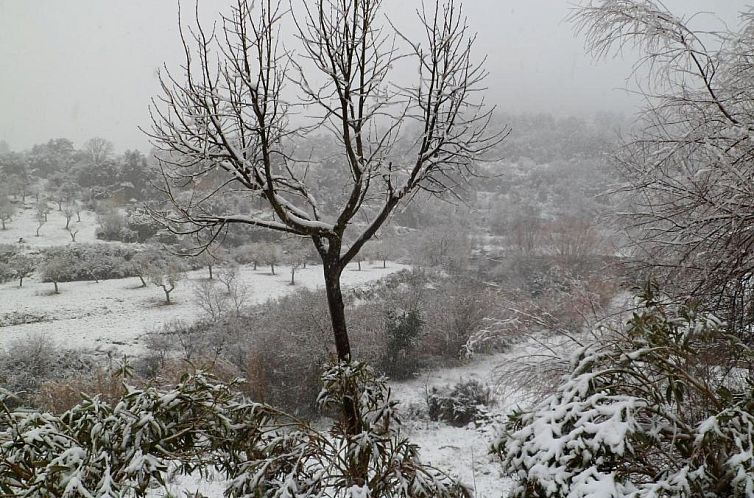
(84, 68)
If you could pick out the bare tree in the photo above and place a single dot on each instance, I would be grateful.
(22, 266)
(7, 210)
(69, 210)
(689, 180)
(166, 276)
(41, 217)
(224, 124)
(98, 150)
(72, 232)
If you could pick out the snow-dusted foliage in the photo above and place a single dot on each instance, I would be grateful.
(100, 450)
(664, 408)
(371, 459)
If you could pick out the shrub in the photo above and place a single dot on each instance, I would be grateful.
(134, 226)
(33, 360)
(460, 405)
(455, 309)
(103, 449)
(86, 262)
(662, 407)
(402, 330)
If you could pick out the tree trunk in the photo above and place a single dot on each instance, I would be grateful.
(272, 267)
(335, 304)
(210, 271)
(332, 273)
(384, 263)
(67, 221)
(55, 283)
(37, 235)
(359, 264)
(21, 281)
(167, 294)
(143, 283)
(3, 221)
(255, 266)
(293, 275)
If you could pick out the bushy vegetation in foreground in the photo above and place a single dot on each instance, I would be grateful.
(664, 407)
(100, 449)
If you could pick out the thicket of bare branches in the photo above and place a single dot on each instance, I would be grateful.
(688, 168)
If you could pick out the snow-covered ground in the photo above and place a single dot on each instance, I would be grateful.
(52, 233)
(114, 314)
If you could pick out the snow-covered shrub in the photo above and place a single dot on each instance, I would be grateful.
(136, 225)
(98, 449)
(29, 362)
(402, 331)
(86, 262)
(664, 407)
(367, 456)
(286, 351)
(112, 225)
(459, 405)
(201, 341)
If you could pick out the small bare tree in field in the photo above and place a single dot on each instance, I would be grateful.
(22, 266)
(69, 210)
(225, 129)
(689, 175)
(7, 210)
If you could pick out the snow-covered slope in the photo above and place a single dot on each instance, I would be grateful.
(114, 314)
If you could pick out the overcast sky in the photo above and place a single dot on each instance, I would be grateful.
(84, 68)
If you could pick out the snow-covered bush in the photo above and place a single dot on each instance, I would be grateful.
(136, 225)
(664, 407)
(402, 331)
(86, 262)
(30, 362)
(98, 449)
(459, 405)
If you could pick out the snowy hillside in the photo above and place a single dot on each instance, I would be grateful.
(114, 314)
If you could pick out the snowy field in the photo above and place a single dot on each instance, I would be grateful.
(52, 233)
(115, 314)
